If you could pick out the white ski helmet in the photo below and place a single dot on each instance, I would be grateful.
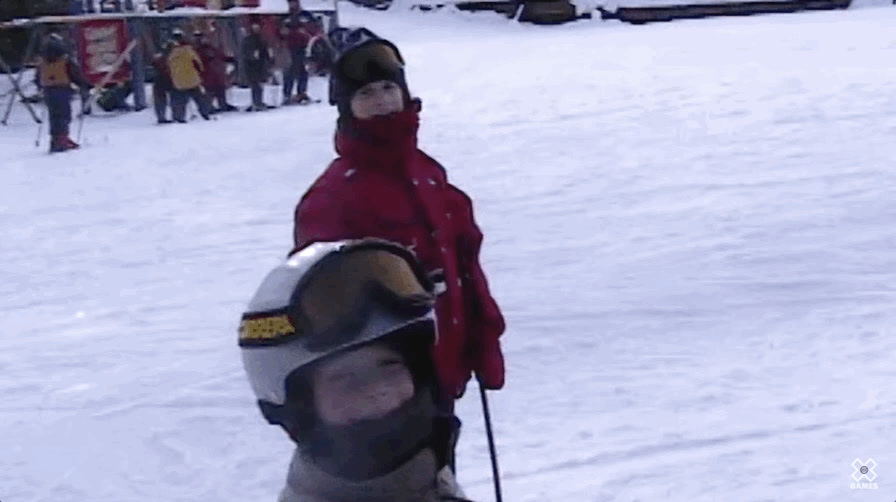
(328, 297)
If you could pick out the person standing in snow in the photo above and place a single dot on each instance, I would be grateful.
(56, 73)
(257, 57)
(320, 50)
(185, 68)
(295, 38)
(214, 71)
(382, 185)
(294, 10)
(351, 382)
(162, 86)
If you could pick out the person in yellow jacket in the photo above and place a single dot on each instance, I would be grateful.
(185, 68)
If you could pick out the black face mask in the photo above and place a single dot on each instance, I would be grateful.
(374, 447)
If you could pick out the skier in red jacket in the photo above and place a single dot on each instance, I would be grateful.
(214, 71)
(382, 185)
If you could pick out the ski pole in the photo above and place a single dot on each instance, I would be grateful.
(83, 112)
(40, 128)
(491, 441)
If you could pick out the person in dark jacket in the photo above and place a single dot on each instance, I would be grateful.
(320, 51)
(161, 84)
(336, 344)
(214, 73)
(257, 58)
(294, 11)
(56, 74)
(382, 185)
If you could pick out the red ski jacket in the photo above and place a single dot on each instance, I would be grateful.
(297, 39)
(214, 65)
(383, 186)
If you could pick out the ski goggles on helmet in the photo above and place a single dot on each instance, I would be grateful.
(334, 302)
(373, 60)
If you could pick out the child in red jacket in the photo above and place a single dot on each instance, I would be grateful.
(382, 185)
(214, 71)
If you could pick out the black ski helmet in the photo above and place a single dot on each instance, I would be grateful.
(54, 47)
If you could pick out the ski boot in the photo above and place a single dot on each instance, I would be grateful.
(259, 107)
(69, 143)
(61, 143)
(56, 145)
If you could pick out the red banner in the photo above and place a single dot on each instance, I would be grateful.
(99, 44)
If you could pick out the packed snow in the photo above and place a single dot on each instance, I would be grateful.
(690, 227)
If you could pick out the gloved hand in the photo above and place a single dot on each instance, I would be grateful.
(488, 364)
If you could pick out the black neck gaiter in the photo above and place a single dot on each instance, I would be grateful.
(374, 447)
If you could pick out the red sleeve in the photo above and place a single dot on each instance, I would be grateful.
(315, 219)
(324, 214)
(487, 321)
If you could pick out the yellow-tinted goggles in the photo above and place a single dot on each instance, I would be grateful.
(338, 295)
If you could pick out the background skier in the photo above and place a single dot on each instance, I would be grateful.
(351, 382)
(320, 50)
(56, 73)
(257, 57)
(382, 185)
(294, 11)
(214, 71)
(185, 68)
(296, 39)
(161, 84)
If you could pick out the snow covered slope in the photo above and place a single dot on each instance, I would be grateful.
(691, 228)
